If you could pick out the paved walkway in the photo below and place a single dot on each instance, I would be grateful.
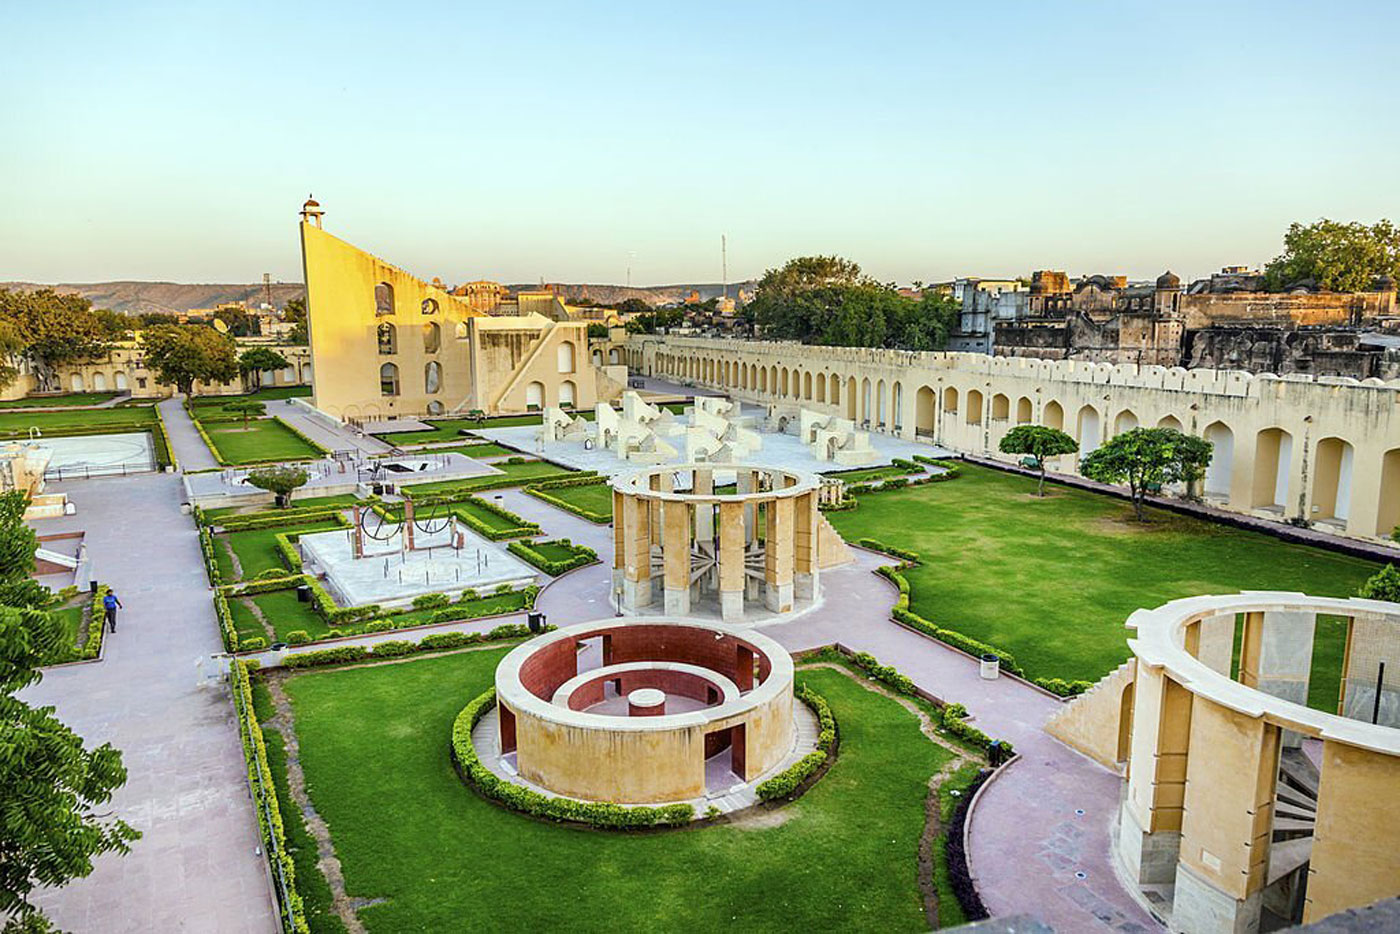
(189, 448)
(197, 867)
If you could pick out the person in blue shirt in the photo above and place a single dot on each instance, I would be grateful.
(110, 604)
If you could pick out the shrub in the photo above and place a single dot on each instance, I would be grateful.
(298, 637)
(377, 625)
(885, 674)
(336, 656)
(429, 601)
(502, 588)
(788, 781)
(253, 642)
(516, 797)
(468, 595)
(580, 556)
(394, 648)
(449, 640)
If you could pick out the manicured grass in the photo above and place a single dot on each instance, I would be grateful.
(287, 614)
(257, 548)
(264, 440)
(530, 470)
(72, 398)
(450, 429)
(594, 497)
(1052, 580)
(245, 623)
(554, 551)
(373, 744)
(272, 394)
(478, 450)
(870, 474)
(342, 499)
(57, 423)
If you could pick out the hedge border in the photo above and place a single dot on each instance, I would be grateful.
(319, 451)
(487, 483)
(522, 528)
(791, 782)
(96, 627)
(526, 801)
(976, 648)
(582, 555)
(397, 648)
(541, 492)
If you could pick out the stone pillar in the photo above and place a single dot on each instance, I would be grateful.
(619, 528)
(408, 523)
(1251, 648)
(805, 541)
(1227, 822)
(358, 536)
(778, 555)
(1372, 638)
(1285, 659)
(675, 555)
(1149, 836)
(745, 481)
(1354, 857)
(730, 558)
(636, 582)
(1212, 641)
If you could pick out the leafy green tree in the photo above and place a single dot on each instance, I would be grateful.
(252, 363)
(1339, 257)
(115, 326)
(280, 481)
(1039, 442)
(50, 785)
(182, 354)
(18, 543)
(50, 328)
(294, 310)
(1146, 458)
(248, 408)
(1383, 585)
(596, 330)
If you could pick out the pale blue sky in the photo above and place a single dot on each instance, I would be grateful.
(523, 140)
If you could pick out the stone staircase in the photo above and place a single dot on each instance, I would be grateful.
(1295, 813)
(1090, 722)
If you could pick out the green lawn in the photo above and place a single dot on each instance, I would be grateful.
(342, 499)
(870, 474)
(373, 744)
(264, 440)
(594, 497)
(530, 470)
(72, 398)
(257, 548)
(450, 429)
(273, 394)
(554, 551)
(1052, 580)
(287, 614)
(478, 450)
(56, 423)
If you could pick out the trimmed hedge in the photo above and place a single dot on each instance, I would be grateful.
(477, 485)
(786, 783)
(206, 547)
(541, 491)
(520, 526)
(960, 641)
(96, 627)
(344, 654)
(261, 785)
(518, 798)
(582, 555)
(964, 888)
(272, 519)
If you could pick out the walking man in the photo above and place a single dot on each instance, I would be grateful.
(110, 604)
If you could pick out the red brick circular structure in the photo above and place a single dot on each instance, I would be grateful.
(566, 707)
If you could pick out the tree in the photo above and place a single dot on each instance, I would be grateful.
(182, 354)
(1147, 457)
(281, 481)
(18, 543)
(50, 328)
(252, 363)
(295, 310)
(247, 408)
(596, 330)
(1338, 257)
(1039, 442)
(1383, 585)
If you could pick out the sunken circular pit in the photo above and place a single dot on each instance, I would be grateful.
(644, 710)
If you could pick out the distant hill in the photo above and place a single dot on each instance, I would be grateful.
(133, 297)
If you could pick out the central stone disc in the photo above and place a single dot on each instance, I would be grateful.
(646, 702)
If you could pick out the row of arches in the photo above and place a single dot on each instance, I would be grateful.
(389, 379)
(385, 304)
(1278, 475)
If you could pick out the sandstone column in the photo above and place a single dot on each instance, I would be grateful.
(675, 555)
(1150, 818)
(778, 555)
(805, 542)
(636, 584)
(731, 561)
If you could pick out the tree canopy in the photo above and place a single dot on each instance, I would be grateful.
(1039, 442)
(255, 361)
(1146, 458)
(280, 481)
(17, 545)
(1383, 585)
(1339, 257)
(180, 355)
(827, 300)
(49, 328)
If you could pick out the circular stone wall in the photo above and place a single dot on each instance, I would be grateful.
(682, 548)
(563, 703)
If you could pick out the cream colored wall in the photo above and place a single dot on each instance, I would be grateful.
(1091, 722)
(1355, 856)
(1366, 415)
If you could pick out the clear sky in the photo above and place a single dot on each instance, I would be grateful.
(516, 141)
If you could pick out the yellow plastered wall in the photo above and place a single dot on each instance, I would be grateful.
(1354, 858)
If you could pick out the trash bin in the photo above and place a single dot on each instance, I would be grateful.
(304, 593)
(991, 667)
(995, 754)
(536, 621)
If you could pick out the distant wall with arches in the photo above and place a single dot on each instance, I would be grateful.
(1321, 449)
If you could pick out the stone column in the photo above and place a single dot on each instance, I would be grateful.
(675, 555)
(1228, 821)
(778, 555)
(636, 583)
(704, 485)
(1212, 641)
(619, 528)
(1354, 857)
(731, 561)
(359, 532)
(1149, 836)
(745, 481)
(1285, 659)
(1372, 638)
(805, 542)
